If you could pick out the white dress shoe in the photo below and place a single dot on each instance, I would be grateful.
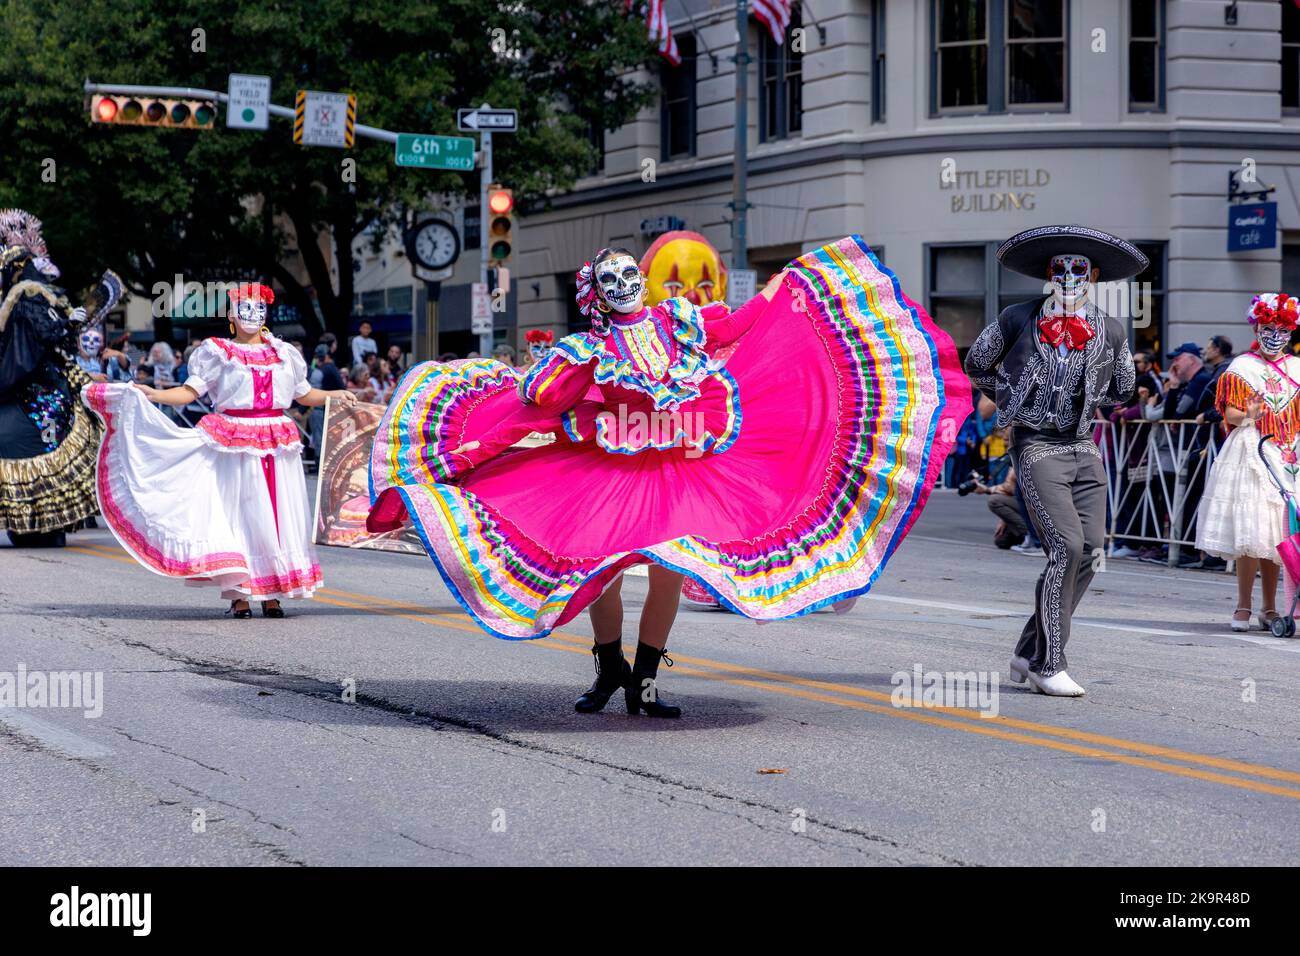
(1019, 668)
(1058, 685)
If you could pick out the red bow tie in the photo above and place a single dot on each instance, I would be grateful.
(1073, 330)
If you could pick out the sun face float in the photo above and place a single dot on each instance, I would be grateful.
(684, 264)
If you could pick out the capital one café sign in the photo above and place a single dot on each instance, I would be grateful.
(991, 190)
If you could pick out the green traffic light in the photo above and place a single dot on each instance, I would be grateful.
(205, 114)
(500, 250)
(180, 113)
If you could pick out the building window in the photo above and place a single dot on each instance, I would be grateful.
(1290, 57)
(574, 320)
(962, 54)
(878, 61)
(1291, 263)
(400, 299)
(780, 85)
(958, 287)
(1149, 332)
(998, 55)
(1035, 59)
(1146, 55)
(677, 113)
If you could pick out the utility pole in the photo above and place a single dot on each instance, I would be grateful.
(485, 179)
(739, 202)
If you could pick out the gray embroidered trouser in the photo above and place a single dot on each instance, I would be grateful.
(1065, 491)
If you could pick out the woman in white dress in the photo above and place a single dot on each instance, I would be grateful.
(223, 504)
(1243, 517)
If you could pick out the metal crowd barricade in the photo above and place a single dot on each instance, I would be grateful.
(1155, 477)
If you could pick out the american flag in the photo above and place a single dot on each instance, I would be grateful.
(775, 15)
(656, 24)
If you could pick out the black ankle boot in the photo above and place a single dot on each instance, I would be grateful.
(642, 694)
(612, 672)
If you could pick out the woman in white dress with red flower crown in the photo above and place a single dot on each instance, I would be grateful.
(223, 504)
(1242, 516)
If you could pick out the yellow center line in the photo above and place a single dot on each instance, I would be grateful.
(845, 695)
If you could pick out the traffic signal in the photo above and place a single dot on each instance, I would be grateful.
(152, 111)
(501, 223)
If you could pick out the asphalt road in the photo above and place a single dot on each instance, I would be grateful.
(232, 742)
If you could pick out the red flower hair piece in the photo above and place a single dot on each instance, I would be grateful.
(539, 337)
(1274, 308)
(250, 292)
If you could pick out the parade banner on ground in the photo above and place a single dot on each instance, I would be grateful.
(343, 487)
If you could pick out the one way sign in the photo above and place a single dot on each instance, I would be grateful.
(487, 120)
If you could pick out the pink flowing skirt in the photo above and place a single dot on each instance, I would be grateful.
(850, 399)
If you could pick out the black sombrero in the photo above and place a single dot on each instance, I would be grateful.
(1029, 252)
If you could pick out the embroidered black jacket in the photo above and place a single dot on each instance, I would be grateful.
(1034, 387)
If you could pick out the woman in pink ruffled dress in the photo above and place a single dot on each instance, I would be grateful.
(223, 504)
(775, 455)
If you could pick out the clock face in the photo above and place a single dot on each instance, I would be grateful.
(436, 244)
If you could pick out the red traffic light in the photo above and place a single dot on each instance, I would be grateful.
(148, 111)
(501, 201)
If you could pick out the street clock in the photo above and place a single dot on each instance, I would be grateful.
(433, 244)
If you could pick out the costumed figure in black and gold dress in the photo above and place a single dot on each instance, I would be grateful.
(47, 437)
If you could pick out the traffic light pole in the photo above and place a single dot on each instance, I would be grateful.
(485, 178)
(739, 184)
(189, 93)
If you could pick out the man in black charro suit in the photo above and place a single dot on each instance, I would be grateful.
(1049, 364)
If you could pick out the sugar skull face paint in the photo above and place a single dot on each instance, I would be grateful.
(250, 315)
(1069, 275)
(91, 343)
(619, 280)
(1272, 338)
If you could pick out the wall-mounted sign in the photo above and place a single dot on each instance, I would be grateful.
(1252, 226)
(480, 315)
(742, 285)
(657, 226)
(992, 190)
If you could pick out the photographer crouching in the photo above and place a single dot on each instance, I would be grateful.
(1002, 502)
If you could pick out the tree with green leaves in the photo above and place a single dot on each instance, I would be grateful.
(152, 203)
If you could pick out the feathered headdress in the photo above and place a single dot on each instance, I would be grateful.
(1274, 308)
(20, 228)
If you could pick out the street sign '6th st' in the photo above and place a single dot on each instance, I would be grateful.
(434, 152)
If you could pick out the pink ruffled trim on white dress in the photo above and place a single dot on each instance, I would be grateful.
(185, 509)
